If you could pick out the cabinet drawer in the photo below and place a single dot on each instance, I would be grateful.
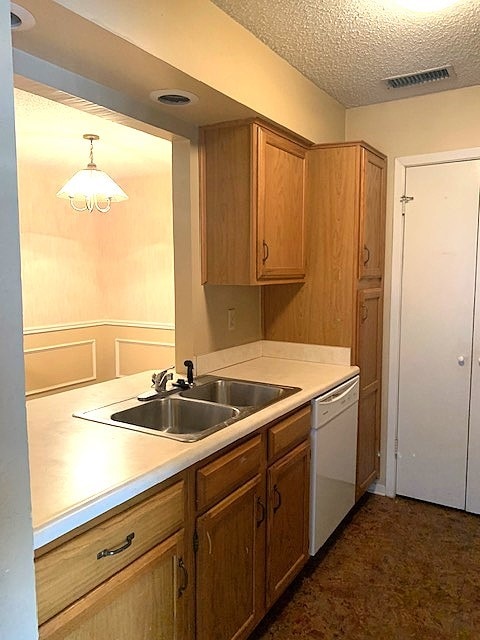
(221, 476)
(71, 570)
(287, 433)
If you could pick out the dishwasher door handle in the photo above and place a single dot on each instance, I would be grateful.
(336, 396)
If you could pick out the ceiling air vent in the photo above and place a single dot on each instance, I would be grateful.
(420, 77)
(174, 97)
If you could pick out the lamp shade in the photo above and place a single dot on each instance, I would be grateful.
(91, 188)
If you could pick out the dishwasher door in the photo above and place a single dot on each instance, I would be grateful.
(334, 460)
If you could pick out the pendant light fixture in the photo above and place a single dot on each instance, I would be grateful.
(91, 188)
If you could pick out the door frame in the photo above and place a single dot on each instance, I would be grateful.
(393, 369)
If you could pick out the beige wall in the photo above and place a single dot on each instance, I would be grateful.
(198, 38)
(59, 251)
(438, 122)
(80, 267)
(85, 268)
(135, 254)
(17, 587)
(426, 124)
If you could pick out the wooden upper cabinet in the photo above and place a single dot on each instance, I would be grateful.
(372, 215)
(252, 204)
(280, 208)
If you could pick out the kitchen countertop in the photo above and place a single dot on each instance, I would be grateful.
(81, 469)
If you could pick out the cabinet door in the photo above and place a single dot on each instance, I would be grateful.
(369, 359)
(144, 601)
(287, 520)
(280, 208)
(372, 215)
(230, 565)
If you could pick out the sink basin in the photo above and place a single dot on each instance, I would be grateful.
(213, 404)
(177, 418)
(238, 393)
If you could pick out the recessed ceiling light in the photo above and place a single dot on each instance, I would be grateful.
(20, 18)
(425, 6)
(174, 97)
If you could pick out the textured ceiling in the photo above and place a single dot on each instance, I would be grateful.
(347, 47)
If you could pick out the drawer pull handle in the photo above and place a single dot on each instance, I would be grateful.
(261, 507)
(278, 497)
(113, 552)
(183, 587)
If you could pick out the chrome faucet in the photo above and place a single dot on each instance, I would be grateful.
(160, 379)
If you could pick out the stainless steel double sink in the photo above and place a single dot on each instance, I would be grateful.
(189, 415)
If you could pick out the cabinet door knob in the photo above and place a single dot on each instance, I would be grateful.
(461, 360)
(266, 252)
(366, 259)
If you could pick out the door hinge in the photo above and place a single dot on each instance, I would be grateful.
(405, 200)
(195, 541)
(396, 447)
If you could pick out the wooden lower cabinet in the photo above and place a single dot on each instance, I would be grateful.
(368, 439)
(369, 359)
(229, 563)
(253, 542)
(144, 601)
(203, 556)
(287, 528)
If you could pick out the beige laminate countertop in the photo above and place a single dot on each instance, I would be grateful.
(81, 469)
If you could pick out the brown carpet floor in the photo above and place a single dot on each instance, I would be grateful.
(399, 569)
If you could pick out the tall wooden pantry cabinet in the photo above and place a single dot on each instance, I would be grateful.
(341, 301)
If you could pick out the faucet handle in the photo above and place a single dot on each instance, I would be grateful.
(157, 377)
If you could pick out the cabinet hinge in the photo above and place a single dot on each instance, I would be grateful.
(405, 200)
(396, 447)
(195, 541)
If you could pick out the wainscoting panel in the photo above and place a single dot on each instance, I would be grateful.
(58, 357)
(133, 356)
(52, 367)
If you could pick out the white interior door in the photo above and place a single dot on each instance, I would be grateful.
(440, 247)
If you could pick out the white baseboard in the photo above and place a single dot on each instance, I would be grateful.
(377, 488)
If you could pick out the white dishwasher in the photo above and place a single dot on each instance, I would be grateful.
(334, 459)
